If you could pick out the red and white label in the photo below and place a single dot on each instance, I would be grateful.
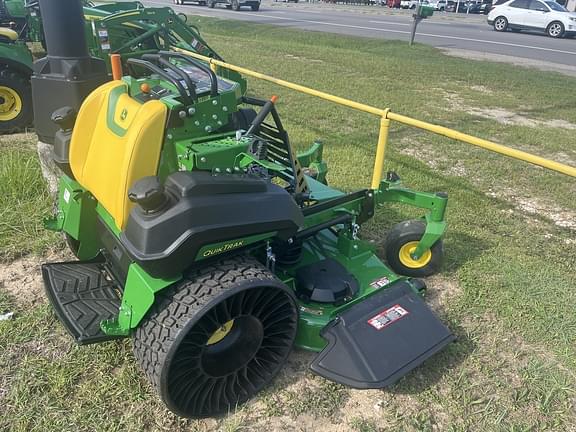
(387, 317)
(379, 283)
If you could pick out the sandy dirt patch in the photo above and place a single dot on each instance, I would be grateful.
(502, 115)
(22, 278)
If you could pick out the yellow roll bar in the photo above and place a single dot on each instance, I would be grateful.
(386, 115)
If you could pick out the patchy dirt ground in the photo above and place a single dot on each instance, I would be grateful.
(501, 115)
(563, 218)
(22, 279)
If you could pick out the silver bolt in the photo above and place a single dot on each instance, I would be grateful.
(217, 170)
(197, 123)
(202, 159)
(191, 111)
(214, 116)
(224, 108)
(208, 128)
(169, 136)
(355, 246)
(214, 102)
(228, 170)
(219, 123)
(182, 114)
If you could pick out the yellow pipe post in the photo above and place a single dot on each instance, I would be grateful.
(380, 152)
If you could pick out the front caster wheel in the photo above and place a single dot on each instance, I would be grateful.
(401, 243)
(217, 337)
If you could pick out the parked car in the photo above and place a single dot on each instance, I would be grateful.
(411, 4)
(462, 6)
(438, 5)
(235, 4)
(480, 8)
(541, 15)
(393, 3)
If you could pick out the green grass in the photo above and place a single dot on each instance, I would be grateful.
(507, 288)
(24, 199)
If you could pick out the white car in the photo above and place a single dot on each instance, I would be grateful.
(438, 5)
(411, 4)
(542, 15)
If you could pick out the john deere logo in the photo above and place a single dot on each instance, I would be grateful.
(124, 114)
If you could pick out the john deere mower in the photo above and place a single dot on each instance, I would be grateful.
(203, 237)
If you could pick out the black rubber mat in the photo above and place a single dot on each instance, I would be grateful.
(381, 339)
(83, 294)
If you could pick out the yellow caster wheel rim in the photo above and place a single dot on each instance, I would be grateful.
(406, 259)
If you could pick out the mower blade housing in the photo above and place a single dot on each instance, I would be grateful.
(381, 339)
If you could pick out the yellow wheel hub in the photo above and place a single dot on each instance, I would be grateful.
(406, 259)
(10, 104)
(221, 333)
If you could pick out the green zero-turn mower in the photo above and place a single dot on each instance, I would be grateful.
(203, 237)
(125, 28)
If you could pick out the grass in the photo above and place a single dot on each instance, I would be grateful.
(507, 288)
(24, 200)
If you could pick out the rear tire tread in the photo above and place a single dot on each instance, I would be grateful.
(177, 305)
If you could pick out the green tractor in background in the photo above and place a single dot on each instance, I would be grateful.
(15, 66)
(201, 234)
(126, 28)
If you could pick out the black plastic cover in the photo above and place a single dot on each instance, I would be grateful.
(325, 281)
(381, 339)
(206, 209)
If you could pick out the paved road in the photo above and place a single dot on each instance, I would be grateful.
(448, 31)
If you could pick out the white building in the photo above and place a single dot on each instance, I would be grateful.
(571, 5)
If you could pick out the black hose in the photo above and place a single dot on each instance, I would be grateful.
(189, 83)
(157, 70)
(199, 65)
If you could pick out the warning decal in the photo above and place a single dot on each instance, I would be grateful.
(387, 317)
(379, 283)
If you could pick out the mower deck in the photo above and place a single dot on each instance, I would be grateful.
(83, 294)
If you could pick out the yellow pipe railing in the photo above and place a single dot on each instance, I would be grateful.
(386, 115)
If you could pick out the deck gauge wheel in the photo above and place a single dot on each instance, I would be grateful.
(401, 243)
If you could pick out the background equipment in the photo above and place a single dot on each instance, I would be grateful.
(125, 28)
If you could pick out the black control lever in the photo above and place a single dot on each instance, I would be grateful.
(268, 106)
